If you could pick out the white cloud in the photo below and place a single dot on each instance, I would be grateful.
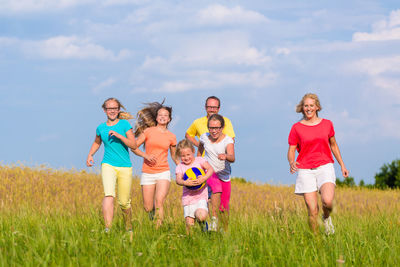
(32, 6)
(24, 6)
(178, 86)
(123, 2)
(213, 50)
(104, 84)
(233, 80)
(383, 73)
(71, 47)
(349, 128)
(384, 30)
(379, 65)
(6, 41)
(282, 51)
(219, 14)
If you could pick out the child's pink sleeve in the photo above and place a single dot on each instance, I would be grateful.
(178, 169)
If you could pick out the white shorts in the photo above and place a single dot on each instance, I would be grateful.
(190, 210)
(152, 178)
(311, 180)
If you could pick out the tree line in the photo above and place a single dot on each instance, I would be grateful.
(387, 178)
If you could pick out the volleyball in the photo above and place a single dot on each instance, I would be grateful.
(192, 174)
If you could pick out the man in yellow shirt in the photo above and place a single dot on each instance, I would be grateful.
(199, 126)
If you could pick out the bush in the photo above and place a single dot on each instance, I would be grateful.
(240, 180)
(389, 176)
(347, 182)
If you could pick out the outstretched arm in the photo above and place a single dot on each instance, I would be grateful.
(95, 146)
(151, 159)
(336, 153)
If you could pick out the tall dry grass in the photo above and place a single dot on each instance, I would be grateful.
(69, 191)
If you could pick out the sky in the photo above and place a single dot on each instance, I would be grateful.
(59, 60)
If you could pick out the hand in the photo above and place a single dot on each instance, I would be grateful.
(150, 159)
(199, 180)
(293, 167)
(190, 182)
(114, 133)
(89, 161)
(345, 172)
(222, 156)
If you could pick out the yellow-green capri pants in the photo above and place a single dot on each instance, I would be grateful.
(121, 175)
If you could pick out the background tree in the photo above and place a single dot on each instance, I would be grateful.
(389, 176)
(347, 182)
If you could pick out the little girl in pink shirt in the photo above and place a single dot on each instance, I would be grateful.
(194, 202)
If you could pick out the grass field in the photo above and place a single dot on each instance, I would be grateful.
(53, 218)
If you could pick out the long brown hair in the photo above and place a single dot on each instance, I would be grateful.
(146, 117)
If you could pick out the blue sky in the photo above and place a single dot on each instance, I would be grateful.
(59, 60)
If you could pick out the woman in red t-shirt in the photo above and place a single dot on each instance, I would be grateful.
(151, 130)
(314, 140)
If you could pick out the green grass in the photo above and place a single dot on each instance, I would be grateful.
(53, 218)
(30, 239)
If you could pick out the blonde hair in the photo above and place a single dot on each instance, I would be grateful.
(147, 116)
(123, 115)
(185, 143)
(299, 107)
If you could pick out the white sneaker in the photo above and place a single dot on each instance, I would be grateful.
(329, 229)
(213, 224)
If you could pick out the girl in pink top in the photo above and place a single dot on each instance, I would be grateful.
(314, 140)
(194, 201)
(151, 130)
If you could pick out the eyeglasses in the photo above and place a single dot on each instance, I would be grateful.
(112, 109)
(212, 107)
(214, 128)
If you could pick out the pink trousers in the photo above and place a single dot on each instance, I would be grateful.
(219, 186)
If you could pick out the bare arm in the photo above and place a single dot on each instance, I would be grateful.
(336, 153)
(192, 139)
(95, 146)
(151, 159)
(172, 150)
(229, 155)
(291, 155)
(209, 171)
(129, 140)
